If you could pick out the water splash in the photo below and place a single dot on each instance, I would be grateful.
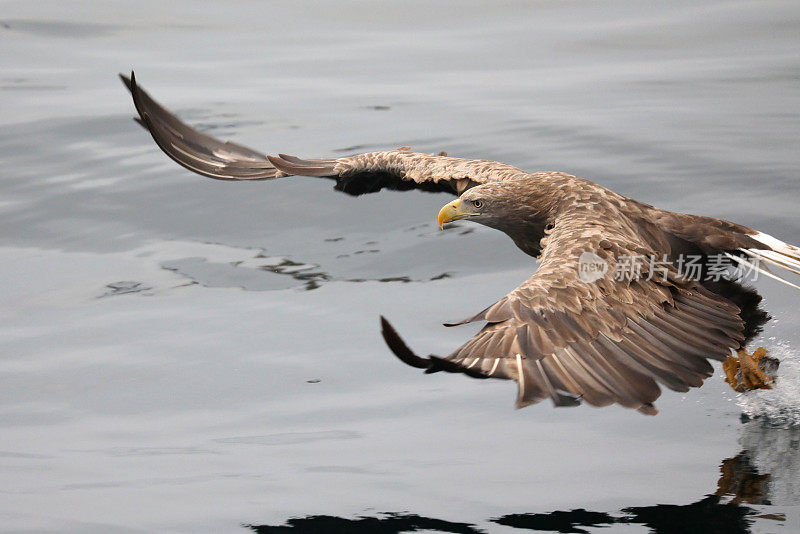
(779, 406)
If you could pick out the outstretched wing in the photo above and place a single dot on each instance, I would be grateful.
(565, 337)
(398, 169)
(194, 150)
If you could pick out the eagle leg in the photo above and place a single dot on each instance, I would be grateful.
(745, 372)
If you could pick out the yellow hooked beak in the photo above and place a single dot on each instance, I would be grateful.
(452, 212)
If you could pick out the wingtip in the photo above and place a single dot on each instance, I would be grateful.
(133, 89)
(385, 324)
(565, 399)
(129, 81)
(647, 409)
(520, 404)
(399, 348)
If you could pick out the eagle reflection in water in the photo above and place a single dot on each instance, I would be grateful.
(761, 475)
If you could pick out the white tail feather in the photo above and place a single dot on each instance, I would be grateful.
(775, 252)
(777, 245)
(774, 258)
(762, 270)
(778, 253)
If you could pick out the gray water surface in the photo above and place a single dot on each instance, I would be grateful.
(184, 355)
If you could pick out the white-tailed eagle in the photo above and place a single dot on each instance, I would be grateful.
(587, 326)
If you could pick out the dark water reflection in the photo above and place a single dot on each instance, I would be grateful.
(749, 483)
(708, 515)
(383, 524)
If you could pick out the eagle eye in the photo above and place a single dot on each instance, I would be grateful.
(477, 203)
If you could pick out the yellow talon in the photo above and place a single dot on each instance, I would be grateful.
(745, 372)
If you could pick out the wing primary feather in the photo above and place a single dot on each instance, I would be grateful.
(729, 321)
(195, 150)
(594, 385)
(631, 387)
(761, 270)
(300, 167)
(667, 377)
(431, 364)
(695, 361)
(559, 396)
(776, 258)
(443, 364)
(399, 348)
(477, 317)
(295, 159)
(682, 330)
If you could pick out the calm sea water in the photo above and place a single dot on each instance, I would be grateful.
(184, 355)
